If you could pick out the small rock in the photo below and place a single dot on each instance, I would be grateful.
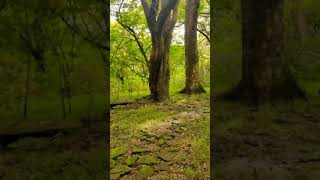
(148, 159)
(161, 142)
(115, 176)
(112, 163)
(183, 128)
(172, 149)
(121, 169)
(115, 152)
(131, 160)
(163, 166)
(180, 130)
(144, 172)
(167, 137)
(139, 150)
(166, 155)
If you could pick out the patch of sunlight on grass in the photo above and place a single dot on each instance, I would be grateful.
(133, 119)
(150, 124)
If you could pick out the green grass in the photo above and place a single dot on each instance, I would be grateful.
(144, 115)
(47, 110)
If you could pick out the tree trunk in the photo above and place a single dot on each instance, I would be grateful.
(27, 88)
(301, 22)
(159, 72)
(62, 87)
(193, 85)
(161, 23)
(265, 76)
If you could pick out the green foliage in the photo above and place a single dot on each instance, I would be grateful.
(34, 29)
(129, 68)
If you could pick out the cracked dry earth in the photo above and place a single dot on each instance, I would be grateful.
(164, 149)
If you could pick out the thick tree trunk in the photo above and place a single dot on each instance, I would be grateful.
(159, 72)
(161, 23)
(265, 76)
(193, 85)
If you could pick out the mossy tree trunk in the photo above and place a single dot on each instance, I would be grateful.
(193, 85)
(265, 75)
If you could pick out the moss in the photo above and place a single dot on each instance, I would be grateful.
(144, 172)
(148, 159)
(131, 160)
(115, 152)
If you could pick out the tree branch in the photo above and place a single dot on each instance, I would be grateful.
(204, 34)
(146, 11)
(163, 15)
(134, 35)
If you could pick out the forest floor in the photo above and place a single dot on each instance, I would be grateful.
(75, 151)
(169, 140)
(277, 142)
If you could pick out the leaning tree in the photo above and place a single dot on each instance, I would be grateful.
(161, 17)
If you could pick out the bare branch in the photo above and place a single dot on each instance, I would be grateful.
(204, 34)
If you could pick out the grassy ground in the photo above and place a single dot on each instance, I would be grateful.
(167, 140)
(46, 111)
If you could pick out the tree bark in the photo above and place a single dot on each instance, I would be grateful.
(161, 23)
(27, 88)
(62, 87)
(301, 22)
(193, 85)
(265, 75)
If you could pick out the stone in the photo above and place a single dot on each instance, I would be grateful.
(161, 142)
(131, 160)
(115, 152)
(120, 169)
(144, 172)
(115, 176)
(148, 159)
(163, 166)
(112, 163)
(139, 150)
(166, 155)
(167, 137)
(180, 130)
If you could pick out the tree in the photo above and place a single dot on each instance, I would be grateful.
(265, 75)
(161, 23)
(191, 49)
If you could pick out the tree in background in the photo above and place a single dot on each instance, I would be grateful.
(161, 23)
(265, 75)
(191, 49)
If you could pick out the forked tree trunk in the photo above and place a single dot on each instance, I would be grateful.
(193, 85)
(265, 75)
(161, 23)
